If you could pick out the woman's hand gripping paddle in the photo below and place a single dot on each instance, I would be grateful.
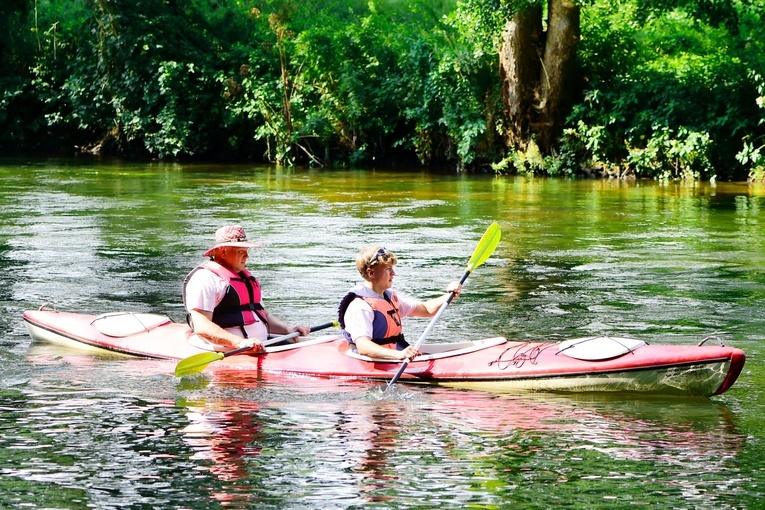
(482, 251)
(198, 362)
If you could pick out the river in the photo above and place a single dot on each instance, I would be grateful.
(661, 261)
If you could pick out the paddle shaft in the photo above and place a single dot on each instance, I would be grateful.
(265, 343)
(277, 339)
(426, 332)
(481, 253)
(198, 362)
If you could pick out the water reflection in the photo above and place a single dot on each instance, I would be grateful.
(439, 443)
(302, 441)
(223, 436)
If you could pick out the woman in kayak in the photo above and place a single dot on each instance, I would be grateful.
(223, 299)
(370, 313)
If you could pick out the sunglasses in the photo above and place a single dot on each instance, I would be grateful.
(373, 259)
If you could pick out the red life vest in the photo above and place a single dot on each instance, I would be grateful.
(240, 305)
(386, 322)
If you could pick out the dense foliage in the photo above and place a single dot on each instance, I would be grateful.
(668, 88)
(672, 89)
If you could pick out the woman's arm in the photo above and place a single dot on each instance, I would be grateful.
(430, 307)
(367, 347)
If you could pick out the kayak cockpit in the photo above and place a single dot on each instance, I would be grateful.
(439, 351)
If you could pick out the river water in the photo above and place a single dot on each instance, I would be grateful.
(664, 262)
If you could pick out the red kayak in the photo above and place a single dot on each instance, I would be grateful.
(587, 364)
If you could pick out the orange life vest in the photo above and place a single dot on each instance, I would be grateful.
(386, 323)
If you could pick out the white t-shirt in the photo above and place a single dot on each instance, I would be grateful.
(205, 290)
(359, 315)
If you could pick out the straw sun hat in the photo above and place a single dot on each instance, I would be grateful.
(231, 235)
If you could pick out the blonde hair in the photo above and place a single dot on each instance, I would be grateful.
(372, 255)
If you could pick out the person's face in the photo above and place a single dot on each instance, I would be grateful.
(233, 258)
(381, 276)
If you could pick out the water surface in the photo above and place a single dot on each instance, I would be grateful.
(665, 262)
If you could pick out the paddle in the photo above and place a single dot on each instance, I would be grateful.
(482, 251)
(198, 362)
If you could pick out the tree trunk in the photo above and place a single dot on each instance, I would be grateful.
(519, 67)
(556, 82)
(536, 70)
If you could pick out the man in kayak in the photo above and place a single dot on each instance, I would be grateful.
(223, 299)
(370, 313)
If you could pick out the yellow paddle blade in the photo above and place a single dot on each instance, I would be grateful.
(485, 247)
(197, 363)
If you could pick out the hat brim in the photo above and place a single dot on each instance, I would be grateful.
(235, 244)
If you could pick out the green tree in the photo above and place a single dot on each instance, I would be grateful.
(655, 88)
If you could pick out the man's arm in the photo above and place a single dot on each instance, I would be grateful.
(280, 327)
(207, 329)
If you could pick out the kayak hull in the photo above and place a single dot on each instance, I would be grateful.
(493, 364)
